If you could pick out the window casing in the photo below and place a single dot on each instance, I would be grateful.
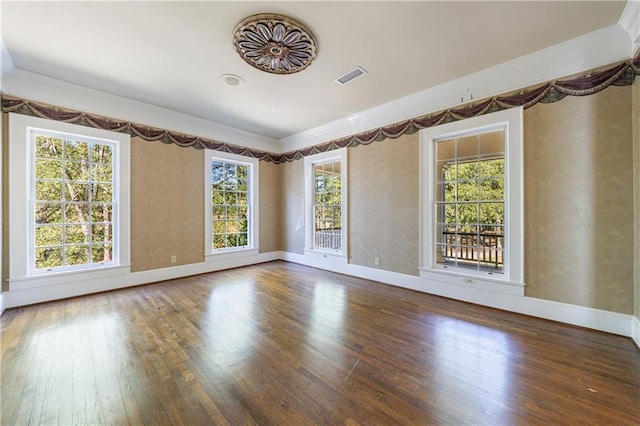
(326, 207)
(70, 202)
(472, 201)
(231, 204)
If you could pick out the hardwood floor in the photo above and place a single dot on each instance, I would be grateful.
(284, 344)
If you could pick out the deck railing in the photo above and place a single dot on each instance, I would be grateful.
(484, 248)
(328, 239)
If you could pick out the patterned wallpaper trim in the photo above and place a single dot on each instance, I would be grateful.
(622, 74)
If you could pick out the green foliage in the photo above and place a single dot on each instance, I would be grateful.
(73, 188)
(465, 191)
(229, 201)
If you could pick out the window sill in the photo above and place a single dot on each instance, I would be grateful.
(327, 255)
(63, 277)
(230, 254)
(473, 281)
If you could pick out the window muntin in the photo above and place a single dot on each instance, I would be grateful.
(327, 207)
(470, 202)
(72, 201)
(325, 177)
(434, 194)
(230, 204)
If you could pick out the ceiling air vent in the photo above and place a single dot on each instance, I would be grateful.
(351, 75)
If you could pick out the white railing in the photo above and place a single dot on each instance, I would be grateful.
(327, 239)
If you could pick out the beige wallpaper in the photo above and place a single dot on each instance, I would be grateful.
(5, 203)
(167, 210)
(293, 206)
(383, 204)
(579, 201)
(636, 195)
(270, 217)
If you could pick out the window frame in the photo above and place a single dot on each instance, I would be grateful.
(22, 272)
(211, 254)
(309, 164)
(512, 280)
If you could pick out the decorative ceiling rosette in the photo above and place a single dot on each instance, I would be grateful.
(275, 43)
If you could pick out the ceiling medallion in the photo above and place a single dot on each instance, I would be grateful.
(275, 43)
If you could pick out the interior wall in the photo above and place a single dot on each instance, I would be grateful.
(270, 201)
(636, 195)
(579, 201)
(167, 210)
(5, 202)
(292, 206)
(383, 204)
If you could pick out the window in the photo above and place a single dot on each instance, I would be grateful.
(325, 192)
(471, 198)
(70, 204)
(231, 207)
(469, 202)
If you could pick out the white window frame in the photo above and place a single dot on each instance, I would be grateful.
(512, 280)
(21, 228)
(211, 255)
(309, 163)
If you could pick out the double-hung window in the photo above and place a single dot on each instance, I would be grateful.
(472, 201)
(70, 200)
(231, 194)
(325, 196)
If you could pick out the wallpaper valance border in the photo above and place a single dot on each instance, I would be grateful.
(589, 83)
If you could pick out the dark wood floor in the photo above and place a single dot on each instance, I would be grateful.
(284, 344)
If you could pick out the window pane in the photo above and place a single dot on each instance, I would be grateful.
(48, 146)
(492, 144)
(467, 213)
(467, 147)
(76, 150)
(102, 192)
(243, 240)
(102, 154)
(48, 236)
(76, 191)
(101, 172)
(468, 170)
(76, 171)
(48, 168)
(219, 226)
(101, 253)
(48, 213)
(76, 255)
(77, 213)
(219, 241)
(492, 168)
(219, 212)
(217, 197)
(492, 189)
(445, 150)
(101, 233)
(48, 190)
(48, 258)
(492, 213)
(102, 213)
(468, 190)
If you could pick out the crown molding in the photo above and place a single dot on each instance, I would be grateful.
(6, 63)
(593, 50)
(630, 21)
(44, 89)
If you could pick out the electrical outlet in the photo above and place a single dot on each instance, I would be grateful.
(174, 259)
(376, 261)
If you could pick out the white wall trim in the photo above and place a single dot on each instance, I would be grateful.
(597, 319)
(635, 331)
(592, 50)
(40, 88)
(30, 296)
(630, 21)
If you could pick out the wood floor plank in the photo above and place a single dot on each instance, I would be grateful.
(284, 344)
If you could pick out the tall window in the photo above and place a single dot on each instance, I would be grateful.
(69, 210)
(72, 199)
(472, 201)
(231, 202)
(326, 208)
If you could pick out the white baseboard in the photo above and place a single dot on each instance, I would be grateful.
(30, 296)
(635, 330)
(597, 319)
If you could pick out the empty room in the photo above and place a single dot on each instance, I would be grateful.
(318, 213)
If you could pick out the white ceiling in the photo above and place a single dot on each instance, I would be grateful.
(170, 54)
